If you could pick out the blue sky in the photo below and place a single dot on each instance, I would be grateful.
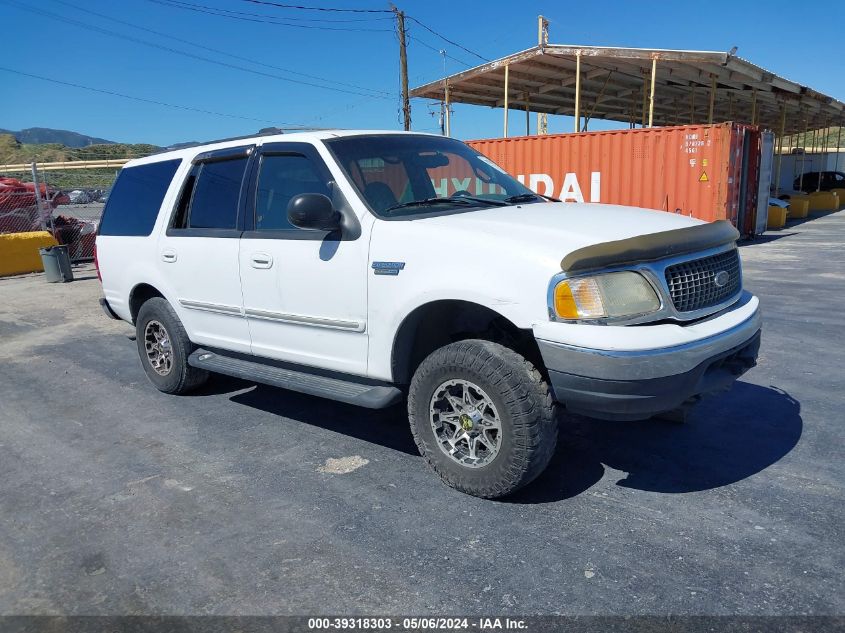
(365, 58)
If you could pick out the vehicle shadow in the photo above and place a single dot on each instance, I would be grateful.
(219, 384)
(386, 427)
(725, 439)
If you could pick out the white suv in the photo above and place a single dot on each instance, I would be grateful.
(368, 267)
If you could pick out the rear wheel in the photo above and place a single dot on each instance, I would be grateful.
(164, 347)
(483, 417)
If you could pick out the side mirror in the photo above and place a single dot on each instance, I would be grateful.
(313, 211)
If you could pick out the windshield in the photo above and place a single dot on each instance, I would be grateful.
(409, 176)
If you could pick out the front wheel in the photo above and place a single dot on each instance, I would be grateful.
(483, 417)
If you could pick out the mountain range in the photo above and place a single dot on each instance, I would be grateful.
(42, 135)
(45, 135)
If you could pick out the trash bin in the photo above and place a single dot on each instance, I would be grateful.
(56, 263)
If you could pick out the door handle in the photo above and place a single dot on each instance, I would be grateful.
(262, 260)
(168, 256)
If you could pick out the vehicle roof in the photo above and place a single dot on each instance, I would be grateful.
(190, 153)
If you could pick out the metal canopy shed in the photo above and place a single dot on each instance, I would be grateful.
(639, 86)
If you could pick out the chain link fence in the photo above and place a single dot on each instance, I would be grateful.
(66, 202)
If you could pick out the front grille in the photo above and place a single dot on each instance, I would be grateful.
(692, 284)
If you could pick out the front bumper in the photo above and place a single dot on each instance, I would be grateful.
(104, 304)
(637, 384)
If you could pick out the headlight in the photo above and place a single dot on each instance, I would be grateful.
(610, 295)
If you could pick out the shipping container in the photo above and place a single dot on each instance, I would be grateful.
(710, 172)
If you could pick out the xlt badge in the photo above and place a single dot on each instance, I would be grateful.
(388, 268)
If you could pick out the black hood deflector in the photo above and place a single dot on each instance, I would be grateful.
(651, 247)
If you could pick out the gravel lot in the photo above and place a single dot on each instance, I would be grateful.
(243, 499)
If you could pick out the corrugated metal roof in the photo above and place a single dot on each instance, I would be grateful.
(615, 85)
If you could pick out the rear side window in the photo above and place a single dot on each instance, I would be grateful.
(136, 198)
(215, 201)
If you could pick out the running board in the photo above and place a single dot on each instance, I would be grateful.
(349, 391)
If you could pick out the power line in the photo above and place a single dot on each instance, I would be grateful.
(238, 15)
(287, 17)
(176, 51)
(414, 38)
(328, 9)
(134, 98)
(446, 39)
(410, 17)
(218, 51)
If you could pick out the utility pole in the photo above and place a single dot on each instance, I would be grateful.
(403, 65)
(542, 40)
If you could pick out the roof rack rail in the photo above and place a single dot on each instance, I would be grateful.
(267, 131)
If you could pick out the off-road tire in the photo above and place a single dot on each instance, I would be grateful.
(522, 398)
(182, 378)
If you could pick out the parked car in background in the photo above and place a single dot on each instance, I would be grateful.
(377, 268)
(810, 181)
(79, 196)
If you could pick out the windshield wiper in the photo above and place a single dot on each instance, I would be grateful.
(490, 201)
(527, 197)
(465, 200)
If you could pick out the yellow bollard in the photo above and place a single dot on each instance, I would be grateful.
(799, 207)
(19, 252)
(823, 201)
(777, 217)
(841, 193)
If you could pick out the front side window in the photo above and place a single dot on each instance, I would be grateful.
(216, 194)
(407, 176)
(280, 178)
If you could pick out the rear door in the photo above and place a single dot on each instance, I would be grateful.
(304, 291)
(198, 253)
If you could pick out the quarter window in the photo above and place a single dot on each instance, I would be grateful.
(214, 204)
(136, 198)
(280, 178)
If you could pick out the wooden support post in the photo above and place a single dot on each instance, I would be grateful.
(712, 99)
(542, 40)
(692, 106)
(446, 113)
(578, 91)
(645, 99)
(780, 149)
(507, 81)
(651, 93)
(754, 107)
(804, 157)
(527, 114)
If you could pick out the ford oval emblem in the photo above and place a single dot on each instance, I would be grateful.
(721, 278)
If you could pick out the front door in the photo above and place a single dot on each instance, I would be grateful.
(198, 254)
(304, 292)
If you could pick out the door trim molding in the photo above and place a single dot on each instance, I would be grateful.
(268, 315)
(219, 308)
(301, 319)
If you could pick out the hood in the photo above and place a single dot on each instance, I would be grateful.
(562, 226)
(500, 257)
